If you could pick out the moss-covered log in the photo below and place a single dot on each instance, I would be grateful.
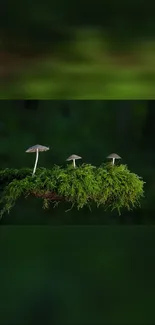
(109, 186)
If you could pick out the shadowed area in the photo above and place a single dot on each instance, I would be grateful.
(77, 275)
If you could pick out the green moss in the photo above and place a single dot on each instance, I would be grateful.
(112, 187)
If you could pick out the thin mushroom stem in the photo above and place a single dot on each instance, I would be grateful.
(74, 163)
(113, 161)
(35, 166)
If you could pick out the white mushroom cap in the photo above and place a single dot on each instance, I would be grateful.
(37, 146)
(114, 155)
(72, 157)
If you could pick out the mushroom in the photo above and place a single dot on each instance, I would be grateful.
(114, 156)
(73, 157)
(36, 149)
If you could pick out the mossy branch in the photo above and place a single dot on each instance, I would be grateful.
(109, 186)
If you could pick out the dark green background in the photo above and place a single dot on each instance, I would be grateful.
(77, 275)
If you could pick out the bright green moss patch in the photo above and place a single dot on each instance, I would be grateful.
(109, 186)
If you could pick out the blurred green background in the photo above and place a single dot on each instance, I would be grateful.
(74, 50)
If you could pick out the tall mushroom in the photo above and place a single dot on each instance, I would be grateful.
(114, 156)
(37, 148)
(73, 157)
